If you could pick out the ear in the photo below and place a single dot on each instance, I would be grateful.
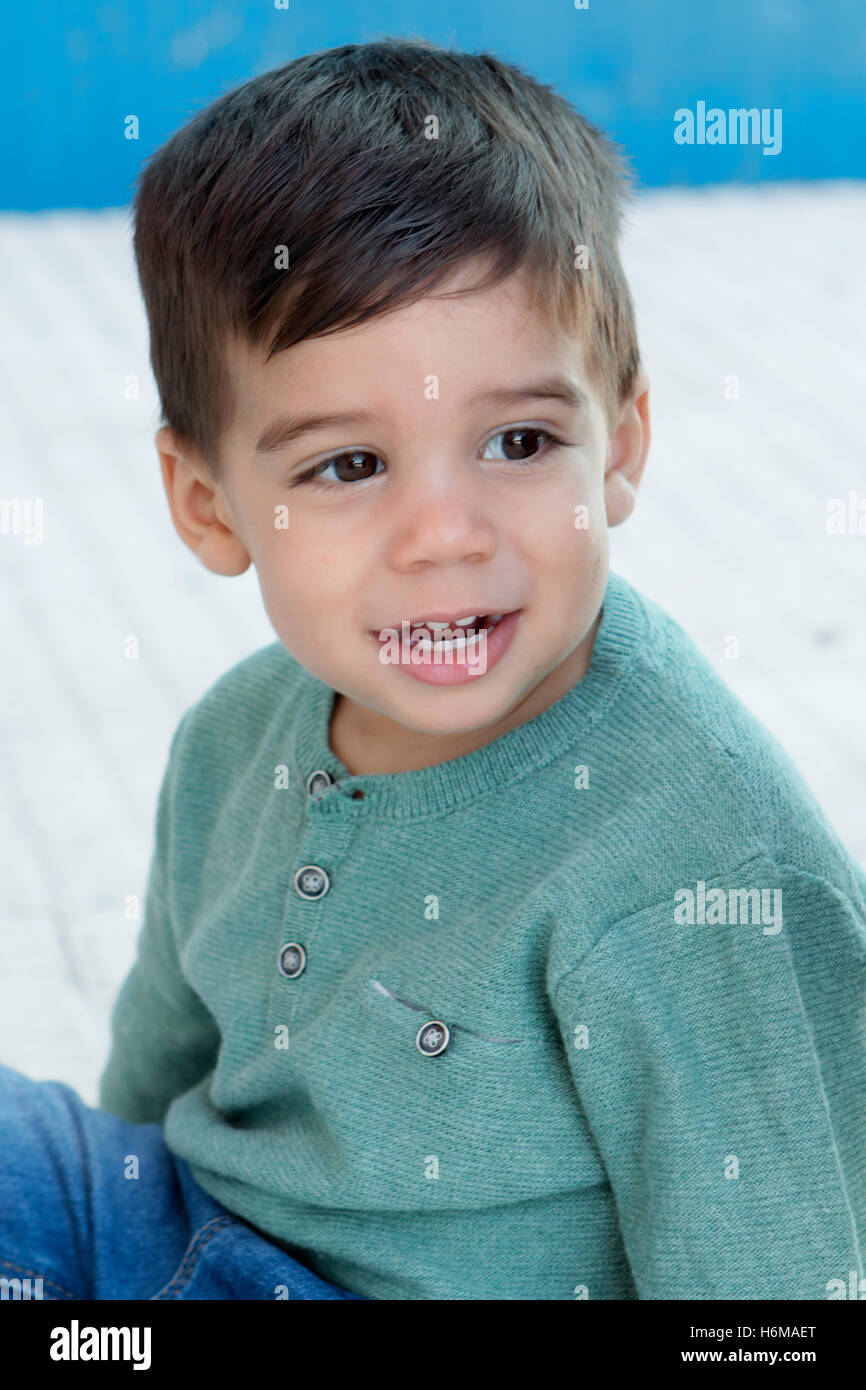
(629, 445)
(199, 509)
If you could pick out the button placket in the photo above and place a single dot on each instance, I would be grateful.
(326, 839)
(312, 882)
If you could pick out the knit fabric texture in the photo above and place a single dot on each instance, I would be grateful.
(645, 943)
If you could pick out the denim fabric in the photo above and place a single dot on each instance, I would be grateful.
(73, 1214)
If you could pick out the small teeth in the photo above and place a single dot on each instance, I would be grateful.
(458, 622)
(457, 643)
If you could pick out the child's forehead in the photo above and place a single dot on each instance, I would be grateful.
(494, 330)
(391, 369)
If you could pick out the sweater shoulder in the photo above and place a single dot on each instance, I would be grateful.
(685, 784)
(716, 763)
(222, 735)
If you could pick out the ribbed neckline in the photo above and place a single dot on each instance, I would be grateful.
(515, 755)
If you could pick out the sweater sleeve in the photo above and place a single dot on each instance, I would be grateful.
(163, 1038)
(721, 1066)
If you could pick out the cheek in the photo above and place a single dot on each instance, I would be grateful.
(568, 556)
(307, 586)
(563, 531)
(291, 554)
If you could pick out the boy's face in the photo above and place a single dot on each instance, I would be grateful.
(439, 506)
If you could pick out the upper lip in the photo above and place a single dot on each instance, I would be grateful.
(440, 617)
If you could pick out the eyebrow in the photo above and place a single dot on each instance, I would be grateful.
(288, 428)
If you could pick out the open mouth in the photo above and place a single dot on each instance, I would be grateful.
(442, 631)
(446, 654)
(453, 632)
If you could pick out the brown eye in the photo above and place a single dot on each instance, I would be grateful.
(521, 442)
(354, 467)
(524, 443)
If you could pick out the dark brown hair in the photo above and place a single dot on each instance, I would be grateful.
(330, 157)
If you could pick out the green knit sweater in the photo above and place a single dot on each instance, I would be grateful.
(577, 1015)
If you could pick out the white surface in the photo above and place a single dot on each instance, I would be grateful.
(729, 536)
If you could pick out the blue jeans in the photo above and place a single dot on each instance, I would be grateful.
(73, 1216)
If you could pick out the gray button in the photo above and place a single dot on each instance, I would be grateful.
(292, 960)
(433, 1037)
(311, 881)
(318, 780)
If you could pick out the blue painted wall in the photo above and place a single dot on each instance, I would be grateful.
(72, 73)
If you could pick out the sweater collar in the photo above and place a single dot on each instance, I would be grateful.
(506, 760)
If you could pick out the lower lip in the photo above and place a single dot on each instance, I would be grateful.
(457, 671)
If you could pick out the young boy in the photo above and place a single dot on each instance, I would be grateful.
(512, 959)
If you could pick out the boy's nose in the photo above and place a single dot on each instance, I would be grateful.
(443, 516)
(442, 531)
